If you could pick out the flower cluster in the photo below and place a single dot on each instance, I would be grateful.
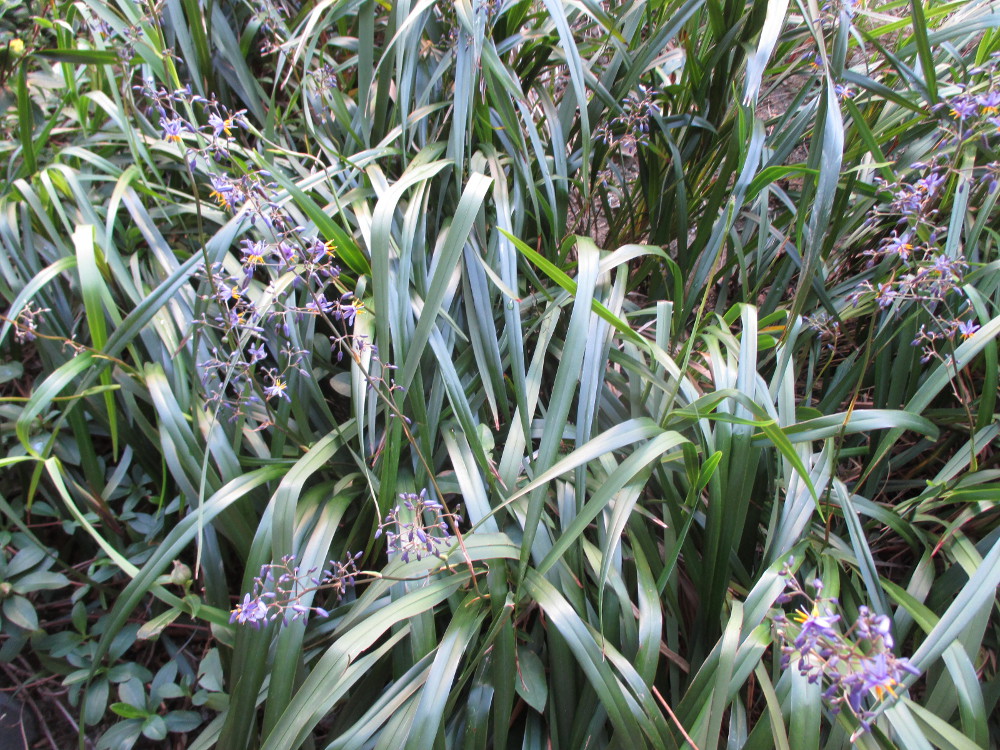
(917, 269)
(970, 119)
(216, 132)
(625, 132)
(245, 346)
(923, 274)
(27, 322)
(131, 34)
(272, 17)
(419, 527)
(857, 666)
(928, 336)
(488, 8)
(969, 116)
(826, 325)
(915, 202)
(630, 128)
(416, 528)
(321, 85)
(930, 279)
(923, 261)
(279, 589)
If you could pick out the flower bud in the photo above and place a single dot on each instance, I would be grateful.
(181, 574)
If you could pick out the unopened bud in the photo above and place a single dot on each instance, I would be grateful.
(181, 574)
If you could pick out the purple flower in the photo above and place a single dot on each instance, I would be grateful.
(220, 126)
(298, 610)
(885, 295)
(252, 611)
(967, 327)
(229, 289)
(989, 103)
(286, 251)
(815, 627)
(319, 304)
(931, 183)
(277, 388)
(321, 250)
(224, 192)
(418, 537)
(900, 246)
(843, 91)
(172, 128)
(257, 353)
(874, 627)
(880, 675)
(856, 668)
(349, 308)
(253, 255)
(963, 107)
(948, 268)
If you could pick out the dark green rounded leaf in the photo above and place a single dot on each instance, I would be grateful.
(182, 721)
(155, 728)
(128, 711)
(19, 611)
